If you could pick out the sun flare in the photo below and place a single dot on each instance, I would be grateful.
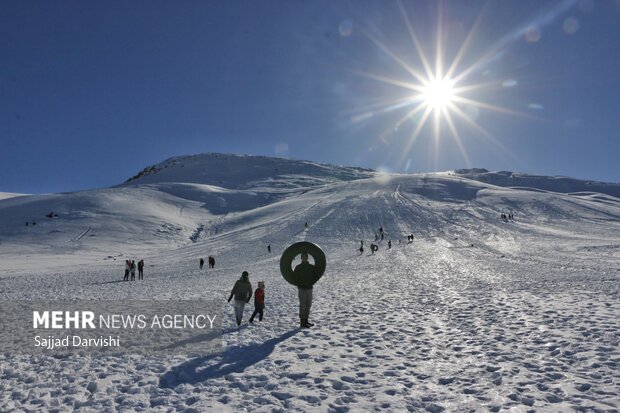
(440, 92)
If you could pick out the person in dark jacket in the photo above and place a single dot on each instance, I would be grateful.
(127, 267)
(304, 271)
(242, 292)
(132, 270)
(202, 263)
(259, 302)
(211, 262)
(141, 270)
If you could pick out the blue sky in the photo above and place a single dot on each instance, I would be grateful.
(92, 92)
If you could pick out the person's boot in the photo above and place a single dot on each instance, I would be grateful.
(303, 323)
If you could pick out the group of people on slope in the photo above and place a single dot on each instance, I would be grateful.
(374, 247)
(211, 261)
(130, 269)
(242, 294)
(508, 217)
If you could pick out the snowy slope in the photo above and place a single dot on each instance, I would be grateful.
(7, 195)
(477, 314)
(548, 183)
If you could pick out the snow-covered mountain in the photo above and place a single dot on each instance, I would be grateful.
(191, 199)
(244, 172)
(478, 313)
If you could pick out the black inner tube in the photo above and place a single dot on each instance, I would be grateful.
(320, 262)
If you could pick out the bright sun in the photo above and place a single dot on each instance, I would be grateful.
(438, 93)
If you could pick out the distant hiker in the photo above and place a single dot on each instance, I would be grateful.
(269, 248)
(380, 230)
(306, 225)
(304, 271)
(381, 235)
(361, 246)
(389, 244)
(399, 242)
(127, 268)
(242, 291)
(141, 270)
(361, 250)
(132, 270)
(202, 263)
(361, 243)
(259, 302)
(211, 262)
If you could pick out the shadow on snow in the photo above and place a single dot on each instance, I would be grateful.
(232, 360)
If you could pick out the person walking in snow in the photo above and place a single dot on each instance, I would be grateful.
(141, 270)
(304, 271)
(132, 270)
(306, 225)
(127, 268)
(211, 262)
(259, 302)
(242, 292)
(389, 244)
(202, 263)
(361, 247)
(269, 248)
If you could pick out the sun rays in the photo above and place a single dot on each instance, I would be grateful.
(441, 93)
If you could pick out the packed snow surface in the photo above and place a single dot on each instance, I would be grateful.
(479, 313)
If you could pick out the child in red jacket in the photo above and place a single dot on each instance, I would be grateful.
(259, 302)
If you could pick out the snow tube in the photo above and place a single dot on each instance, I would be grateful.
(320, 262)
(374, 247)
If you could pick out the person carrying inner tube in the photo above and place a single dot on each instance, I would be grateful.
(304, 271)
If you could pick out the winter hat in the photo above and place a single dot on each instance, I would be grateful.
(261, 284)
(244, 274)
